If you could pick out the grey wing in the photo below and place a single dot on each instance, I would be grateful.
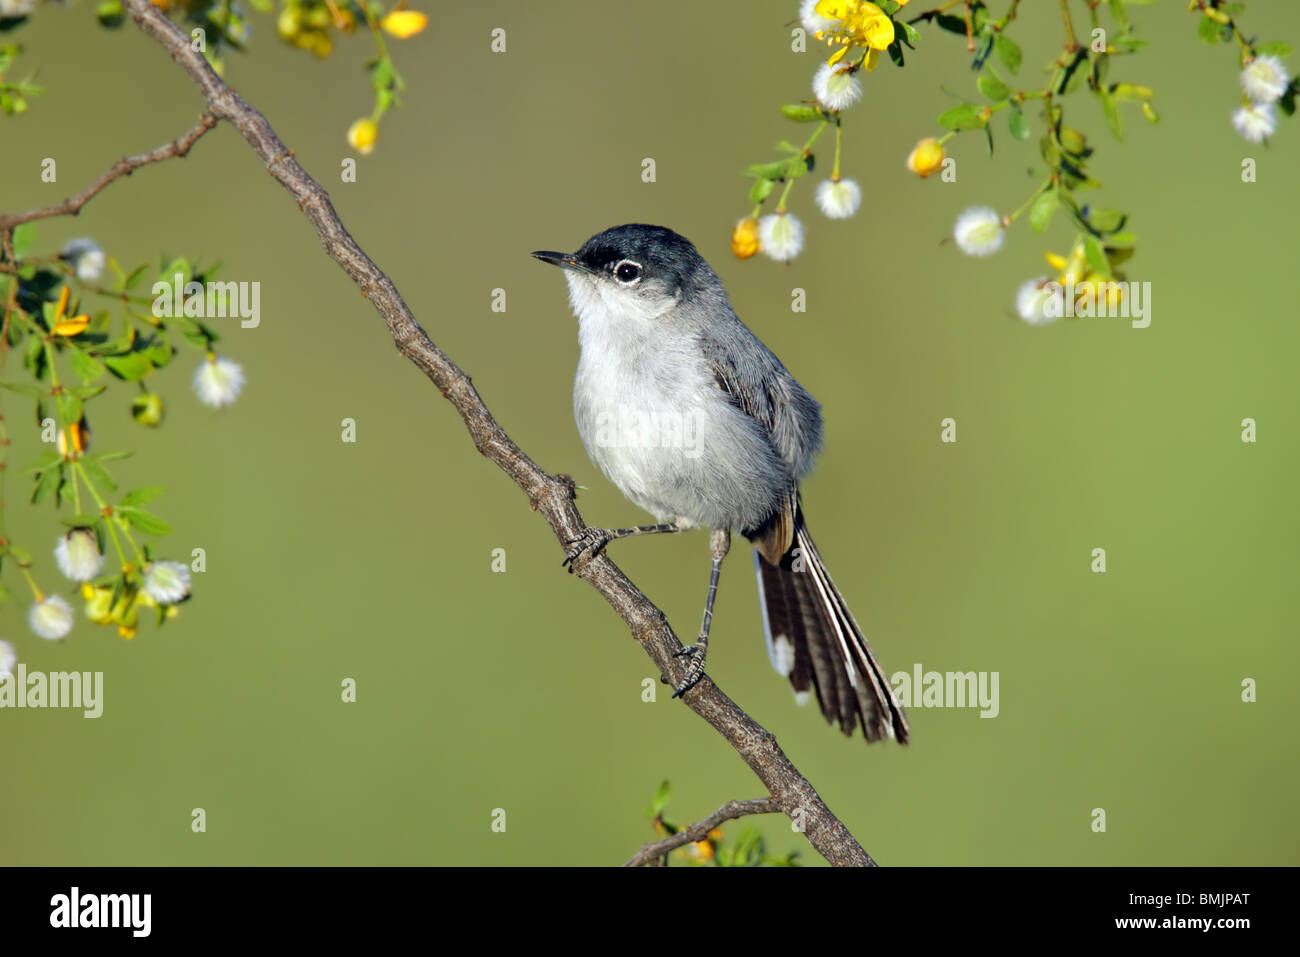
(764, 389)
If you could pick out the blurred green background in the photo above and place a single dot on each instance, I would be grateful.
(522, 690)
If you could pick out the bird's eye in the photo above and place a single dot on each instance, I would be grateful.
(627, 271)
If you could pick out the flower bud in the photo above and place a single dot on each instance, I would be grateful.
(926, 157)
(147, 409)
(744, 238)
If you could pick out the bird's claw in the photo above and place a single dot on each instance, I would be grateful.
(591, 540)
(695, 670)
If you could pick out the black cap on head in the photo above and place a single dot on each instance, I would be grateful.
(660, 253)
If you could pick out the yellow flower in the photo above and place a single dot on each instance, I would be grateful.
(861, 24)
(926, 157)
(702, 850)
(99, 603)
(362, 136)
(744, 238)
(80, 440)
(1105, 291)
(1071, 268)
(404, 23)
(73, 326)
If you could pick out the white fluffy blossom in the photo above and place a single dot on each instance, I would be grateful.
(218, 381)
(51, 618)
(839, 199)
(1256, 123)
(86, 258)
(16, 8)
(167, 582)
(811, 20)
(1032, 300)
(1265, 79)
(8, 658)
(77, 555)
(979, 231)
(836, 87)
(780, 236)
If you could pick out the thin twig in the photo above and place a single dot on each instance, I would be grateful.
(700, 829)
(123, 167)
(553, 496)
(1069, 25)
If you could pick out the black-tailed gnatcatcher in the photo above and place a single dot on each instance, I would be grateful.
(696, 421)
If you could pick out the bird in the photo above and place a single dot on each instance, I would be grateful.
(697, 422)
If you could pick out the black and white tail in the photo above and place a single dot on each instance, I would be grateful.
(813, 640)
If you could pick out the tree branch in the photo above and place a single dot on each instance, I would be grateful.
(700, 829)
(553, 496)
(123, 167)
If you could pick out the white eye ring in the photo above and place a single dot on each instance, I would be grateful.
(627, 272)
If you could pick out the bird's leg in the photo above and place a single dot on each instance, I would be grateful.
(719, 544)
(592, 540)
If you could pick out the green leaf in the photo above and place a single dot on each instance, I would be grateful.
(1122, 239)
(760, 190)
(45, 485)
(69, 406)
(159, 352)
(178, 266)
(993, 88)
(146, 522)
(1107, 220)
(136, 275)
(111, 14)
(661, 798)
(42, 462)
(1132, 92)
(80, 521)
(801, 113)
(108, 456)
(1111, 110)
(143, 496)
(97, 473)
(1008, 52)
(1119, 13)
(946, 21)
(767, 170)
(23, 388)
(1208, 31)
(1017, 124)
(382, 74)
(1096, 256)
(132, 367)
(964, 117)
(910, 35)
(84, 366)
(23, 238)
(1040, 214)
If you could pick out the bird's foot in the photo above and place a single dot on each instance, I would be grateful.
(592, 540)
(695, 670)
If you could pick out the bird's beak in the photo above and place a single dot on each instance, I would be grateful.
(563, 260)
